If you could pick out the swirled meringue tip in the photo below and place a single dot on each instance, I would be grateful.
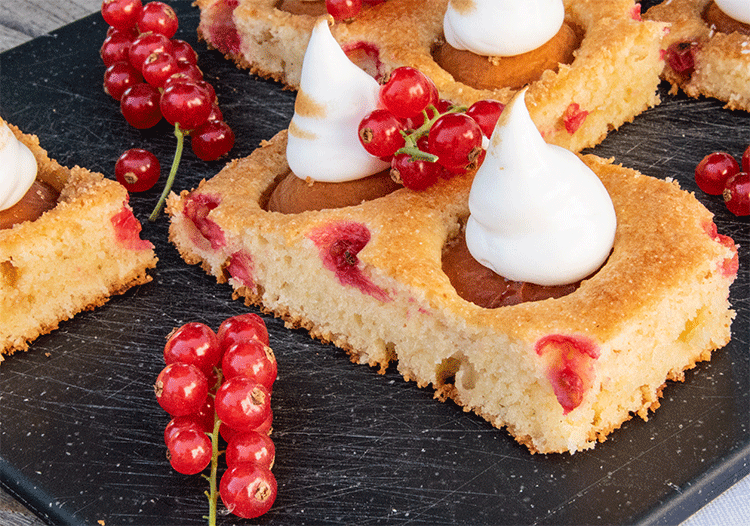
(737, 9)
(333, 97)
(17, 168)
(538, 213)
(502, 28)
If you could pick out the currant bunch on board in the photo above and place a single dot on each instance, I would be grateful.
(155, 76)
(219, 384)
(719, 173)
(422, 136)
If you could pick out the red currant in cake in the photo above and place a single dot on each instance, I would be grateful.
(139, 105)
(456, 139)
(194, 343)
(185, 103)
(242, 403)
(343, 9)
(737, 194)
(121, 14)
(190, 451)
(407, 92)
(248, 490)
(158, 17)
(181, 389)
(137, 170)
(380, 133)
(714, 170)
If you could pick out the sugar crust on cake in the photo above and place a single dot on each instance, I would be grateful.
(70, 259)
(658, 306)
(721, 61)
(613, 78)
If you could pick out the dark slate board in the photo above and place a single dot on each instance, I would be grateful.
(81, 436)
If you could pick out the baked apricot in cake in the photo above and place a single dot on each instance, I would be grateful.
(707, 49)
(649, 299)
(65, 251)
(612, 77)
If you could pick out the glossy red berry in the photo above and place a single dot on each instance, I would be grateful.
(248, 490)
(194, 343)
(251, 447)
(380, 133)
(121, 14)
(250, 358)
(746, 160)
(137, 170)
(115, 47)
(187, 104)
(144, 45)
(737, 194)
(158, 67)
(184, 51)
(190, 451)
(181, 389)
(179, 423)
(415, 174)
(486, 113)
(119, 77)
(158, 17)
(712, 173)
(407, 92)
(343, 9)
(242, 403)
(212, 139)
(139, 105)
(456, 139)
(240, 328)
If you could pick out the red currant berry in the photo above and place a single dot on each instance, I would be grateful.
(415, 174)
(343, 9)
(144, 45)
(121, 14)
(120, 76)
(406, 92)
(137, 170)
(115, 47)
(158, 67)
(252, 447)
(456, 139)
(746, 160)
(248, 490)
(181, 389)
(158, 17)
(187, 104)
(184, 51)
(250, 358)
(242, 403)
(190, 451)
(212, 139)
(737, 194)
(215, 114)
(227, 433)
(380, 133)
(179, 423)
(442, 106)
(712, 172)
(194, 343)
(486, 113)
(190, 70)
(242, 327)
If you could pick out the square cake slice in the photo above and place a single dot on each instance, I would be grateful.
(70, 259)
(368, 278)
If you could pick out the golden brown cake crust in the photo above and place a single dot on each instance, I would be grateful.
(612, 79)
(41, 261)
(721, 62)
(666, 277)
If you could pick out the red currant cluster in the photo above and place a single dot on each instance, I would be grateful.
(219, 385)
(347, 9)
(425, 137)
(153, 76)
(719, 173)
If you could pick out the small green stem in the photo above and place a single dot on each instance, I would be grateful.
(411, 138)
(172, 172)
(213, 495)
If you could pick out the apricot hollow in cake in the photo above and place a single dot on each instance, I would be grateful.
(700, 59)
(368, 278)
(70, 259)
(613, 77)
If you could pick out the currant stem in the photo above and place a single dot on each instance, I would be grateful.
(411, 138)
(172, 172)
(213, 494)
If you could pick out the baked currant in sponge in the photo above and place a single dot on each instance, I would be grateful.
(561, 374)
(90, 230)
